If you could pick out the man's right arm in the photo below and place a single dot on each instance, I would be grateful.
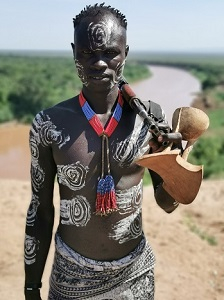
(40, 214)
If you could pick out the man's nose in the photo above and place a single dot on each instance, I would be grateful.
(99, 62)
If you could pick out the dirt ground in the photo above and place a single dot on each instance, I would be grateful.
(189, 243)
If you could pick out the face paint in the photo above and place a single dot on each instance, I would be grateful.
(81, 72)
(130, 199)
(128, 228)
(31, 247)
(100, 51)
(133, 147)
(99, 35)
(75, 212)
(118, 73)
(73, 176)
(32, 211)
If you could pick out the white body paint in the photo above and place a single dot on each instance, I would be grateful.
(134, 146)
(42, 133)
(128, 228)
(32, 211)
(118, 73)
(45, 132)
(81, 73)
(31, 247)
(130, 199)
(75, 212)
(37, 173)
(99, 34)
(38, 176)
(73, 176)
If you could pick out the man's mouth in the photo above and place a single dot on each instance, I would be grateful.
(98, 77)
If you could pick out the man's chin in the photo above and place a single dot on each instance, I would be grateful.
(100, 85)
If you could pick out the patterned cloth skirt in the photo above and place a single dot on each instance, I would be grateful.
(76, 277)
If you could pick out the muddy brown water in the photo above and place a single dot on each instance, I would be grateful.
(14, 151)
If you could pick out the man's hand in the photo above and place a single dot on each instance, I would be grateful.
(165, 139)
(32, 295)
(157, 143)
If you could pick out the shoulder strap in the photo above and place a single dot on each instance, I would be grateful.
(154, 110)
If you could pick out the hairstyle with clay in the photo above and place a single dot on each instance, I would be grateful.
(93, 10)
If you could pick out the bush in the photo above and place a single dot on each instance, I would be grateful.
(5, 113)
(209, 151)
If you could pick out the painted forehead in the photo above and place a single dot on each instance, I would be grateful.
(100, 31)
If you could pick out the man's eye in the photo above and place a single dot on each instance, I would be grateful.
(111, 52)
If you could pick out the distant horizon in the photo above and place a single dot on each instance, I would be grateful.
(198, 51)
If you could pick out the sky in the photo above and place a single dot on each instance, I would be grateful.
(153, 25)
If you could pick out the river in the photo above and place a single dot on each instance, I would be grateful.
(170, 87)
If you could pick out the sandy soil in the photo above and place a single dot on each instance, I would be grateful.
(188, 267)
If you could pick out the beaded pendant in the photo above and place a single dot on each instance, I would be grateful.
(105, 197)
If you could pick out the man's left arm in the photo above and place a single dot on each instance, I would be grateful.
(163, 199)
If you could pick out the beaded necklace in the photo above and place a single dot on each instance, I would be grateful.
(105, 197)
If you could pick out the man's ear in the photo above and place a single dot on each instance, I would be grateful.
(73, 49)
(126, 50)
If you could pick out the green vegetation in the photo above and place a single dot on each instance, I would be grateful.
(29, 84)
(147, 178)
(209, 149)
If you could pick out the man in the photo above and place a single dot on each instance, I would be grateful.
(90, 142)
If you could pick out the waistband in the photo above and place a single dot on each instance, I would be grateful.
(74, 257)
